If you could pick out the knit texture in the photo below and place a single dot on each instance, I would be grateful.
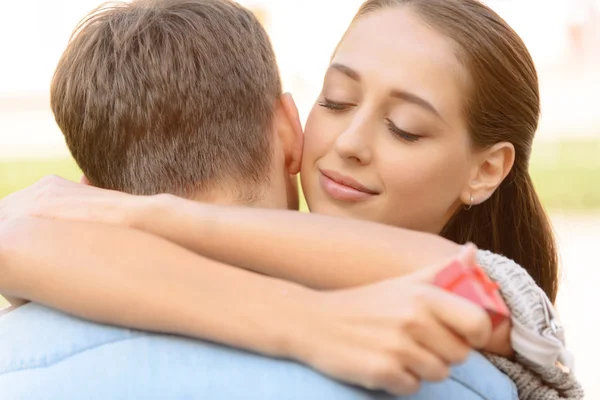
(530, 309)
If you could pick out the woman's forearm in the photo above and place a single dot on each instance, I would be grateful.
(315, 250)
(126, 277)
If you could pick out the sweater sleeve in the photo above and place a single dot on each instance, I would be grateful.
(543, 367)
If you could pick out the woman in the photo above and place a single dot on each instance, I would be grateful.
(432, 133)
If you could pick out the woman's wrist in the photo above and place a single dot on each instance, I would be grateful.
(166, 215)
(139, 210)
(297, 325)
(310, 335)
(145, 212)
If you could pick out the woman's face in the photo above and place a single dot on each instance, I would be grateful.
(387, 140)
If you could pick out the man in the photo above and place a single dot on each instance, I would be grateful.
(180, 97)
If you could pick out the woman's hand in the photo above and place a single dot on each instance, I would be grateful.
(393, 334)
(56, 198)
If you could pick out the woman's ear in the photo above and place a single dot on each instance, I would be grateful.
(493, 166)
(289, 130)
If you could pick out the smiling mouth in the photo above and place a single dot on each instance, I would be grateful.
(344, 188)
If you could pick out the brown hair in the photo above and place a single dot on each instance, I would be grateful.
(504, 105)
(168, 96)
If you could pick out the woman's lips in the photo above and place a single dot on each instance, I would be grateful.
(344, 188)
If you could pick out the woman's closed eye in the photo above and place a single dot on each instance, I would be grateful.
(338, 106)
(402, 134)
(335, 105)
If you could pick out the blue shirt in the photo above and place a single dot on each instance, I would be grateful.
(45, 354)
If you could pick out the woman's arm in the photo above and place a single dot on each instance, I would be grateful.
(388, 335)
(315, 250)
(129, 278)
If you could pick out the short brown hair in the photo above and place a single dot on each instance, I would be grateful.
(168, 96)
(503, 105)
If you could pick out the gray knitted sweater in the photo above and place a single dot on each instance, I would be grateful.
(537, 336)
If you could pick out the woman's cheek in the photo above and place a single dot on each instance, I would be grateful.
(417, 175)
(318, 139)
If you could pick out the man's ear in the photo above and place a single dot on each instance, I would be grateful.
(84, 180)
(493, 165)
(289, 130)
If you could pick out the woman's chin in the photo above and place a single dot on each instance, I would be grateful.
(338, 209)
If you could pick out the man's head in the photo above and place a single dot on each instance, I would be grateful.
(177, 96)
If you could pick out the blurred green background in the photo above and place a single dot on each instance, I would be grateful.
(566, 174)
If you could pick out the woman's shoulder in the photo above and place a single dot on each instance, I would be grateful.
(527, 301)
(537, 332)
(500, 267)
(537, 335)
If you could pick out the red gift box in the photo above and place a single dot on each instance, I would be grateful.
(472, 283)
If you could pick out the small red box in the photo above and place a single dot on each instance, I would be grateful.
(472, 283)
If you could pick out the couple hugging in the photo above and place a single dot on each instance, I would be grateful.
(180, 268)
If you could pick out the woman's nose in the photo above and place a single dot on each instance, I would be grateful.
(353, 144)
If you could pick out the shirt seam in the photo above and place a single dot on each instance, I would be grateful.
(40, 365)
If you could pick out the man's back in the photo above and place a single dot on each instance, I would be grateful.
(47, 354)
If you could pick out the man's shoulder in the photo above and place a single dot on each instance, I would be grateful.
(69, 358)
(46, 346)
(34, 336)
